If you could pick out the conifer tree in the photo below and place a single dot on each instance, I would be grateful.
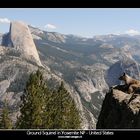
(32, 103)
(5, 121)
(45, 108)
(61, 111)
(70, 117)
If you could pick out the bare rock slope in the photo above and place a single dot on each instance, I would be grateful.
(18, 59)
(21, 39)
(120, 110)
(127, 65)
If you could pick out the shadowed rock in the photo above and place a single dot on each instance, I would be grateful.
(120, 110)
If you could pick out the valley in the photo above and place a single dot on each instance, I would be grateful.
(88, 66)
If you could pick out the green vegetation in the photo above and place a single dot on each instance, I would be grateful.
(5, 121)
(45, 108)
(61, 112)
(32, 103)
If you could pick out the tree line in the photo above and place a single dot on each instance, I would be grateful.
(43, 107)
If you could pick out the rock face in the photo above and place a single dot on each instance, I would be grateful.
(1, 38)
(21, 39)
(120, 110)
(19, 58)
(127, 65)
(14, 74)
(86, 65)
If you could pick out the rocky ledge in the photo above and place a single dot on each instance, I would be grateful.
(120, 110)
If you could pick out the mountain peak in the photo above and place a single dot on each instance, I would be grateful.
(20, 38)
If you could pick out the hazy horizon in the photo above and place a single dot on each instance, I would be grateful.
(84, 22)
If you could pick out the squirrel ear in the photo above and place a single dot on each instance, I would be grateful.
(124, 74)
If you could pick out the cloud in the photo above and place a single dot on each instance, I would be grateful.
(50, 26)
(117, 33)
(4, 20)
(132, 32)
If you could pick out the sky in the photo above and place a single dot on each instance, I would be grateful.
(85, 22)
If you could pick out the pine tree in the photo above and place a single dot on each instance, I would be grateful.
(70, 117)
(45, 108)
(32, 103)
(5, 122)
(50, 110)
(61, 111)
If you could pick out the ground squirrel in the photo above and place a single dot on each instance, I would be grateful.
(132, 83)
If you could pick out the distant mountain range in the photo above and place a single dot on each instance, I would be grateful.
(89, 66)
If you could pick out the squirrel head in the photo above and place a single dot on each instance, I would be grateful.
(123, 77)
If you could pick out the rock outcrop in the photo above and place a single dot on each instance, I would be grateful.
(19, 58)
(127, 64)
(81, 62)
(120, 110)
(14, 74)
(20, 38)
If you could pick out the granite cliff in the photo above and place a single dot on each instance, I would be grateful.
(18, 59)
(86, 65)
(20, 38)
(120, 110)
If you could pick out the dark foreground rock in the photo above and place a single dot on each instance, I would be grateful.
(120, 110)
